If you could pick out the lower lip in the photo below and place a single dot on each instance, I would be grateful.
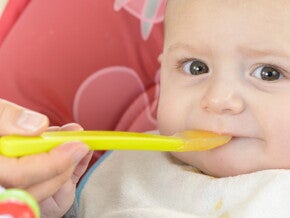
(242, 141)
(230, 142)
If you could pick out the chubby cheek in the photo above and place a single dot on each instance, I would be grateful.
(167, 125)
(170, 117)
(278, 144)
(276, 125)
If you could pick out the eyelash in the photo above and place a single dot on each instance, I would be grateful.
(279, 69)
(180, 63)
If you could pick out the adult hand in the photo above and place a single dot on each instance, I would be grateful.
(62, 199)
(44, 174)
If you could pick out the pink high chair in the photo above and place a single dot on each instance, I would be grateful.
(94, 62)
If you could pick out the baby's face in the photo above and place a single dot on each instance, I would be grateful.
(226, 69)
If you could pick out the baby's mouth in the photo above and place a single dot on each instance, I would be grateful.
(200, 140)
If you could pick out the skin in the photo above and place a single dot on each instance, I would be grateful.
(50, 177)
(238, 96)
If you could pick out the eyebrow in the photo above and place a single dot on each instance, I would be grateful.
(178, 45)
(254, 51)
(262, 52)
(189, 47)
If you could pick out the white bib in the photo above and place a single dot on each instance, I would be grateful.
(151, 184)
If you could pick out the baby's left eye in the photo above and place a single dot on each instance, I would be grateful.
(267, 73)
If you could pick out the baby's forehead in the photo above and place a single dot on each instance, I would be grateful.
(259, 5)
(254, 23)
(265, 11)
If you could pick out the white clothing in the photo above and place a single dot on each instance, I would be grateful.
(152, 184)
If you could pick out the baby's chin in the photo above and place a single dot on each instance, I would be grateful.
(226, 171)
(216, 167)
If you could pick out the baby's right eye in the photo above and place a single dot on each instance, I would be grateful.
(195, 67)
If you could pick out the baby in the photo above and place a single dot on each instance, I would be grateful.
(225, 69)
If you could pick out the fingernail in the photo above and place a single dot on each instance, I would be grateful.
(30, 120)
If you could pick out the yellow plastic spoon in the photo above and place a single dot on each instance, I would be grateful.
(16, 146)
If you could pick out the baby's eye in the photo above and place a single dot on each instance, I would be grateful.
(195, 67)
(267, 73)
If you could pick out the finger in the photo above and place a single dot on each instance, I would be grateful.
(81, 168)
(67, 127)
(15, 119)
(48, 188)
(60, 202)
(53, 128)
(34, 169)
(71, 127)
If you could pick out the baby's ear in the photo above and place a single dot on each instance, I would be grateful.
(160, 57)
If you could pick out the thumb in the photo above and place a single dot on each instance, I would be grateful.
(15, 119)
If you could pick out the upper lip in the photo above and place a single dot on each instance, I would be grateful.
(234, 135)
(245, 133)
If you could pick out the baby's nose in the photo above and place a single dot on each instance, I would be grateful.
(222, 98)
